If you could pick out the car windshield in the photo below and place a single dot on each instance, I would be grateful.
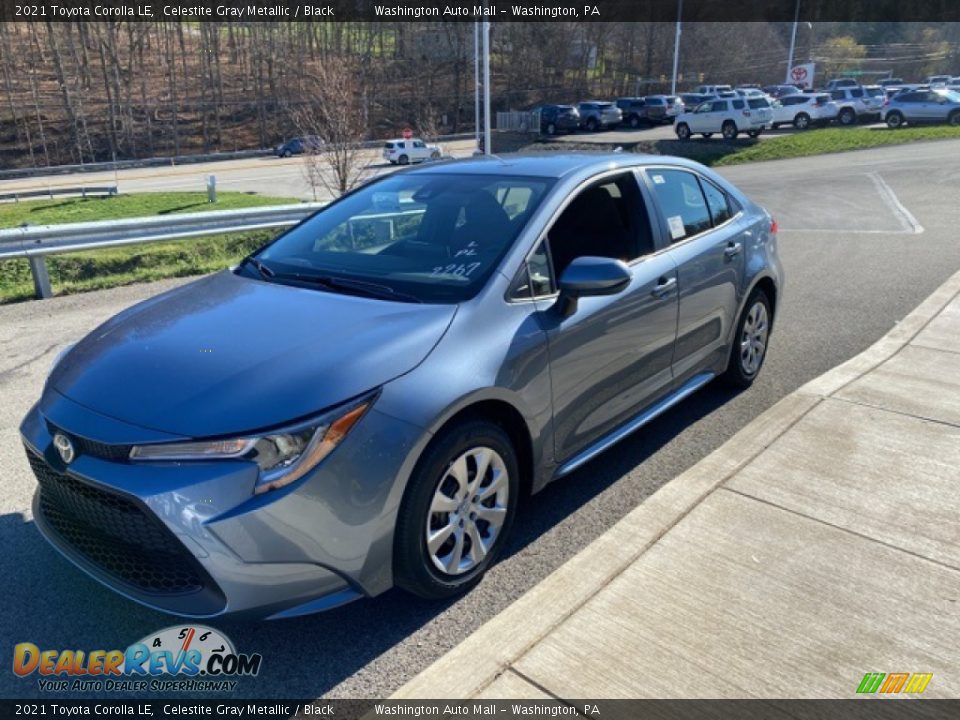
(757, 103)
(421, 237)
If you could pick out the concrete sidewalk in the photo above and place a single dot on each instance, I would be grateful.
(820, 543)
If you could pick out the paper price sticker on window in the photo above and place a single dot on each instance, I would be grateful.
(677, 230)
(658, 179)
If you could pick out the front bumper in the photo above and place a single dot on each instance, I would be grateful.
(192, 538)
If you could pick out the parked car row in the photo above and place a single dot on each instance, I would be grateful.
(594, 115)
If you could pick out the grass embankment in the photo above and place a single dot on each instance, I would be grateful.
(99, 269)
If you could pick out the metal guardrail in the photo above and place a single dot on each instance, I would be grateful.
(49, 192)
(34, 242)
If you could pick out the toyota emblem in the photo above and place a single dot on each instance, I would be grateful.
(63, 445)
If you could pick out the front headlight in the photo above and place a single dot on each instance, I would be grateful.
(283, 456)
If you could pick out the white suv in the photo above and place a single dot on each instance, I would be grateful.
(729, 116)
(804, 109)
(404, 152)
(856, 103)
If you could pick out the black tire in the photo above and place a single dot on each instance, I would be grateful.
(774, 126)
(286, 154)
(414, 570)
(801, 121)
(729, 130)
(551, 129)
(707, 136)
(894, 120)
(954, 118)
(592, 125)
(403, 160)
(683, 131)
(736, 374)
(434, 155)
(847, 117)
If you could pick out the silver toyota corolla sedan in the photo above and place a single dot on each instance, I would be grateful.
(363, 402)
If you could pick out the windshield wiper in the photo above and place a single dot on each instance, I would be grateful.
(264, 271)
(359, 287)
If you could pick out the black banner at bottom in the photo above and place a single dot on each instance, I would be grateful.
(865, 708)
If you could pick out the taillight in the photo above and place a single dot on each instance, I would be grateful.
(773, 226)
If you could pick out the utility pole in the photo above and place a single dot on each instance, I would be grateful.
(676, 49)
(486, 84)
(793, 42)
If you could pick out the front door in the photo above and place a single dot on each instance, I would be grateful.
(612, 356)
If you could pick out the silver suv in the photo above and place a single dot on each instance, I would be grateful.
(596, 115)
(923, 106)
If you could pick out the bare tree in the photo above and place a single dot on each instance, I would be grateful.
(332, 111)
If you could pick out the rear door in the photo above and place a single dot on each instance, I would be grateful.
(708, 243)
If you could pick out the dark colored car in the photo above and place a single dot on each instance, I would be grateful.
(363, 402)
(637, 113)
(299, 146)
(599, 115)
(558, 118)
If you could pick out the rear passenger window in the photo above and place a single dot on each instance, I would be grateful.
(681, 202)
(717, 202)
(738, 104)
(856, 92)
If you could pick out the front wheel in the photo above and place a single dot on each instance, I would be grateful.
(457, 510)
(894, 120)
(683, 131)
(954, 118)
(847, 117)
(750, 343)
(434, 155)
(403, 160)
(551, 129)
(801, 121)
(729, 131)
(592, 125)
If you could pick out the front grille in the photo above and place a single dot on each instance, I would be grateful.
(115, 534)
(84, 446)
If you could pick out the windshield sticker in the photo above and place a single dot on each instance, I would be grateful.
(658, 179)
(677, 230)
(460, 269)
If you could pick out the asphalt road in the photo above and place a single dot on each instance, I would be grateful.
(856, 264)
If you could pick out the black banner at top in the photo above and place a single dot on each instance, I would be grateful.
(470, 10)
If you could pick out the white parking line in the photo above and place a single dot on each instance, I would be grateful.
(908, 221)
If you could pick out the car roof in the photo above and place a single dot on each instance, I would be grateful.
(547, 165)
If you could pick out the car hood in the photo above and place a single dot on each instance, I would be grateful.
(228, 354)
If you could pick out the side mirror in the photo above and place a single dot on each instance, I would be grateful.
(590, 276)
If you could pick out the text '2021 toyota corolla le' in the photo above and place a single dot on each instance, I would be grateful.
(362, 402)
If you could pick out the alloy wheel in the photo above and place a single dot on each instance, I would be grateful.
(753, 338)
(468, 510)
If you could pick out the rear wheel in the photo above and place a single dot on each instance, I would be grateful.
(750, 343)
(847, 117)
(592, 125)
(954, 118)
(403, 160)
(286, 154)
(729, 130)
(634, 122)
(801, 121)
(683, 131)
(456, 511)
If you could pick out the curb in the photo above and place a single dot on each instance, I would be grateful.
(478, 660)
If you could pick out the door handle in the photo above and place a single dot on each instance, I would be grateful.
(732, 250)
(664, 286)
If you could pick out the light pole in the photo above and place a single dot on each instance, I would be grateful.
(486, 84)
(676, 49)
(793, 42)
(476, 83)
